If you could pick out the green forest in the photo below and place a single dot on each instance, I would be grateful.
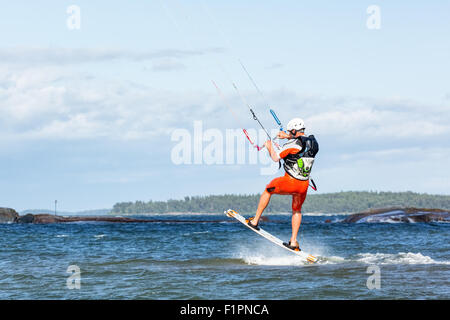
(340, 202)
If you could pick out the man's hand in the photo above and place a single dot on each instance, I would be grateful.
(283, 135)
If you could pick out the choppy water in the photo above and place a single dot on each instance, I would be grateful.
(224, 260)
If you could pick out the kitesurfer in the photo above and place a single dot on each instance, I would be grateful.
(298, 156)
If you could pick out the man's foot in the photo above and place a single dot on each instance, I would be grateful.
(249, 222)
(293, 246)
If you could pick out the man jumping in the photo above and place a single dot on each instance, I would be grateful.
(298, 155)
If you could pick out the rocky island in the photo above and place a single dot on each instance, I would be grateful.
(8, 215)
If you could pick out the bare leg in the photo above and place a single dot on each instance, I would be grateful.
(297, 202)
(296, 221)
(263, 202)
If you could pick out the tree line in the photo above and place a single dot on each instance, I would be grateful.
(340, 202)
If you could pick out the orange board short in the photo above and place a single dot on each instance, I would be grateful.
(290, 186)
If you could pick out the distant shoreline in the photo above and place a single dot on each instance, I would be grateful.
(216, 214)
(392, 214)
(327, 204)
(179, 213)
(324, 203)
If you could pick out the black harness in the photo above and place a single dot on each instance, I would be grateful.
(309, 145)
(309, 148)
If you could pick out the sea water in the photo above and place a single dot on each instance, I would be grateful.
(221, 259)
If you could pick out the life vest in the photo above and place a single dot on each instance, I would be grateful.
(299, 165)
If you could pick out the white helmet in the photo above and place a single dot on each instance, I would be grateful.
(296, 124)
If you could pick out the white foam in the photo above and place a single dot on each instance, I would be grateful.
(265, 254)
(274, 261)
(332, 260)
(397, 258)
(366, 258)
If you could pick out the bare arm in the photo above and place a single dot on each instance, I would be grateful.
(271, 150)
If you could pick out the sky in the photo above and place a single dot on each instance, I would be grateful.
(93, 94)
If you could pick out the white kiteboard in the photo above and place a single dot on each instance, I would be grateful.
(233, 214)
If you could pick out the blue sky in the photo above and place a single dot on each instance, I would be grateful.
(86, 116)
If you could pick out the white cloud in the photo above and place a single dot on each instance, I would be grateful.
(64, 56)
(405, 154)
(36, 105)
(420, 169)
(352, 118)
(167, 64)
(53, 102)
(275, 65)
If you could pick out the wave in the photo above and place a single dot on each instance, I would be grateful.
(268, 255)
(365, 258)
(274, 261)
(196, 232)
(397, 258)
(280, 260)
(273, 257)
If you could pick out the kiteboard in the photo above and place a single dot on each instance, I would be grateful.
(233, 214)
